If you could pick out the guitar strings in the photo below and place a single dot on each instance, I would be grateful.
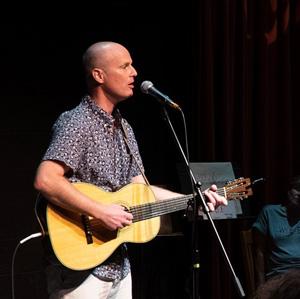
(155, 209)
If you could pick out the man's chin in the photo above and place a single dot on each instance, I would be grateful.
(130, 94)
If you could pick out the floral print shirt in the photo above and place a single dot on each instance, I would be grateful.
(91, 143)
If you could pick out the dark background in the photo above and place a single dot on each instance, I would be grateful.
(233, 66)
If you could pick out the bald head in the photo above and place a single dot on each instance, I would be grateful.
(107, 65)
(100, 54)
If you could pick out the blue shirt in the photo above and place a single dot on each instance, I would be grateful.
(283, 239)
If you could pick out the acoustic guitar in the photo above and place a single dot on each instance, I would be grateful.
(81, 242)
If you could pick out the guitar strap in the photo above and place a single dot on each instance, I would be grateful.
(132, 153)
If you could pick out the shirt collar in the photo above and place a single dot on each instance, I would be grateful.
(110, 118)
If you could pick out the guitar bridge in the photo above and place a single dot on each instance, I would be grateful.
(87, 229)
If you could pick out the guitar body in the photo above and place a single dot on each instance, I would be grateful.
(67, 231)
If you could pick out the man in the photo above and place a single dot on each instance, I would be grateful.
(92, 143)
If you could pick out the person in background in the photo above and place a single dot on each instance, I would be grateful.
(276, 234)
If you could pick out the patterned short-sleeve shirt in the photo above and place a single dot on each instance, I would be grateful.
(91, 142)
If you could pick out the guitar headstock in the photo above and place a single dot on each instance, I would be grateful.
(238, 188)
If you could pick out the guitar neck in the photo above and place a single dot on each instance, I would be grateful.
(160, 208)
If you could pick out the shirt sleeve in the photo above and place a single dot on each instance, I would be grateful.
(261, 223)
(67, 143)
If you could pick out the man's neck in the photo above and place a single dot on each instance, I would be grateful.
(103, 102)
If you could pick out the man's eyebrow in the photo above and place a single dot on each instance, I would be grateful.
(125, 64)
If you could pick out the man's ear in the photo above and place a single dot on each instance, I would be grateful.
(98, 75)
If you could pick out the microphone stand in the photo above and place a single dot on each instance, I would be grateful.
(199, 198)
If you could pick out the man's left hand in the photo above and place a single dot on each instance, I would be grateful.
(214, 199)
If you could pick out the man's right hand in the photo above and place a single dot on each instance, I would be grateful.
(114, 217)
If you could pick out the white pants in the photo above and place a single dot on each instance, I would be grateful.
(94, 288)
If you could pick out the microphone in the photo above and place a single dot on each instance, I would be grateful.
(148, 88)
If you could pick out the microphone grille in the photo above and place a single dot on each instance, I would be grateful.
(145, 86)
